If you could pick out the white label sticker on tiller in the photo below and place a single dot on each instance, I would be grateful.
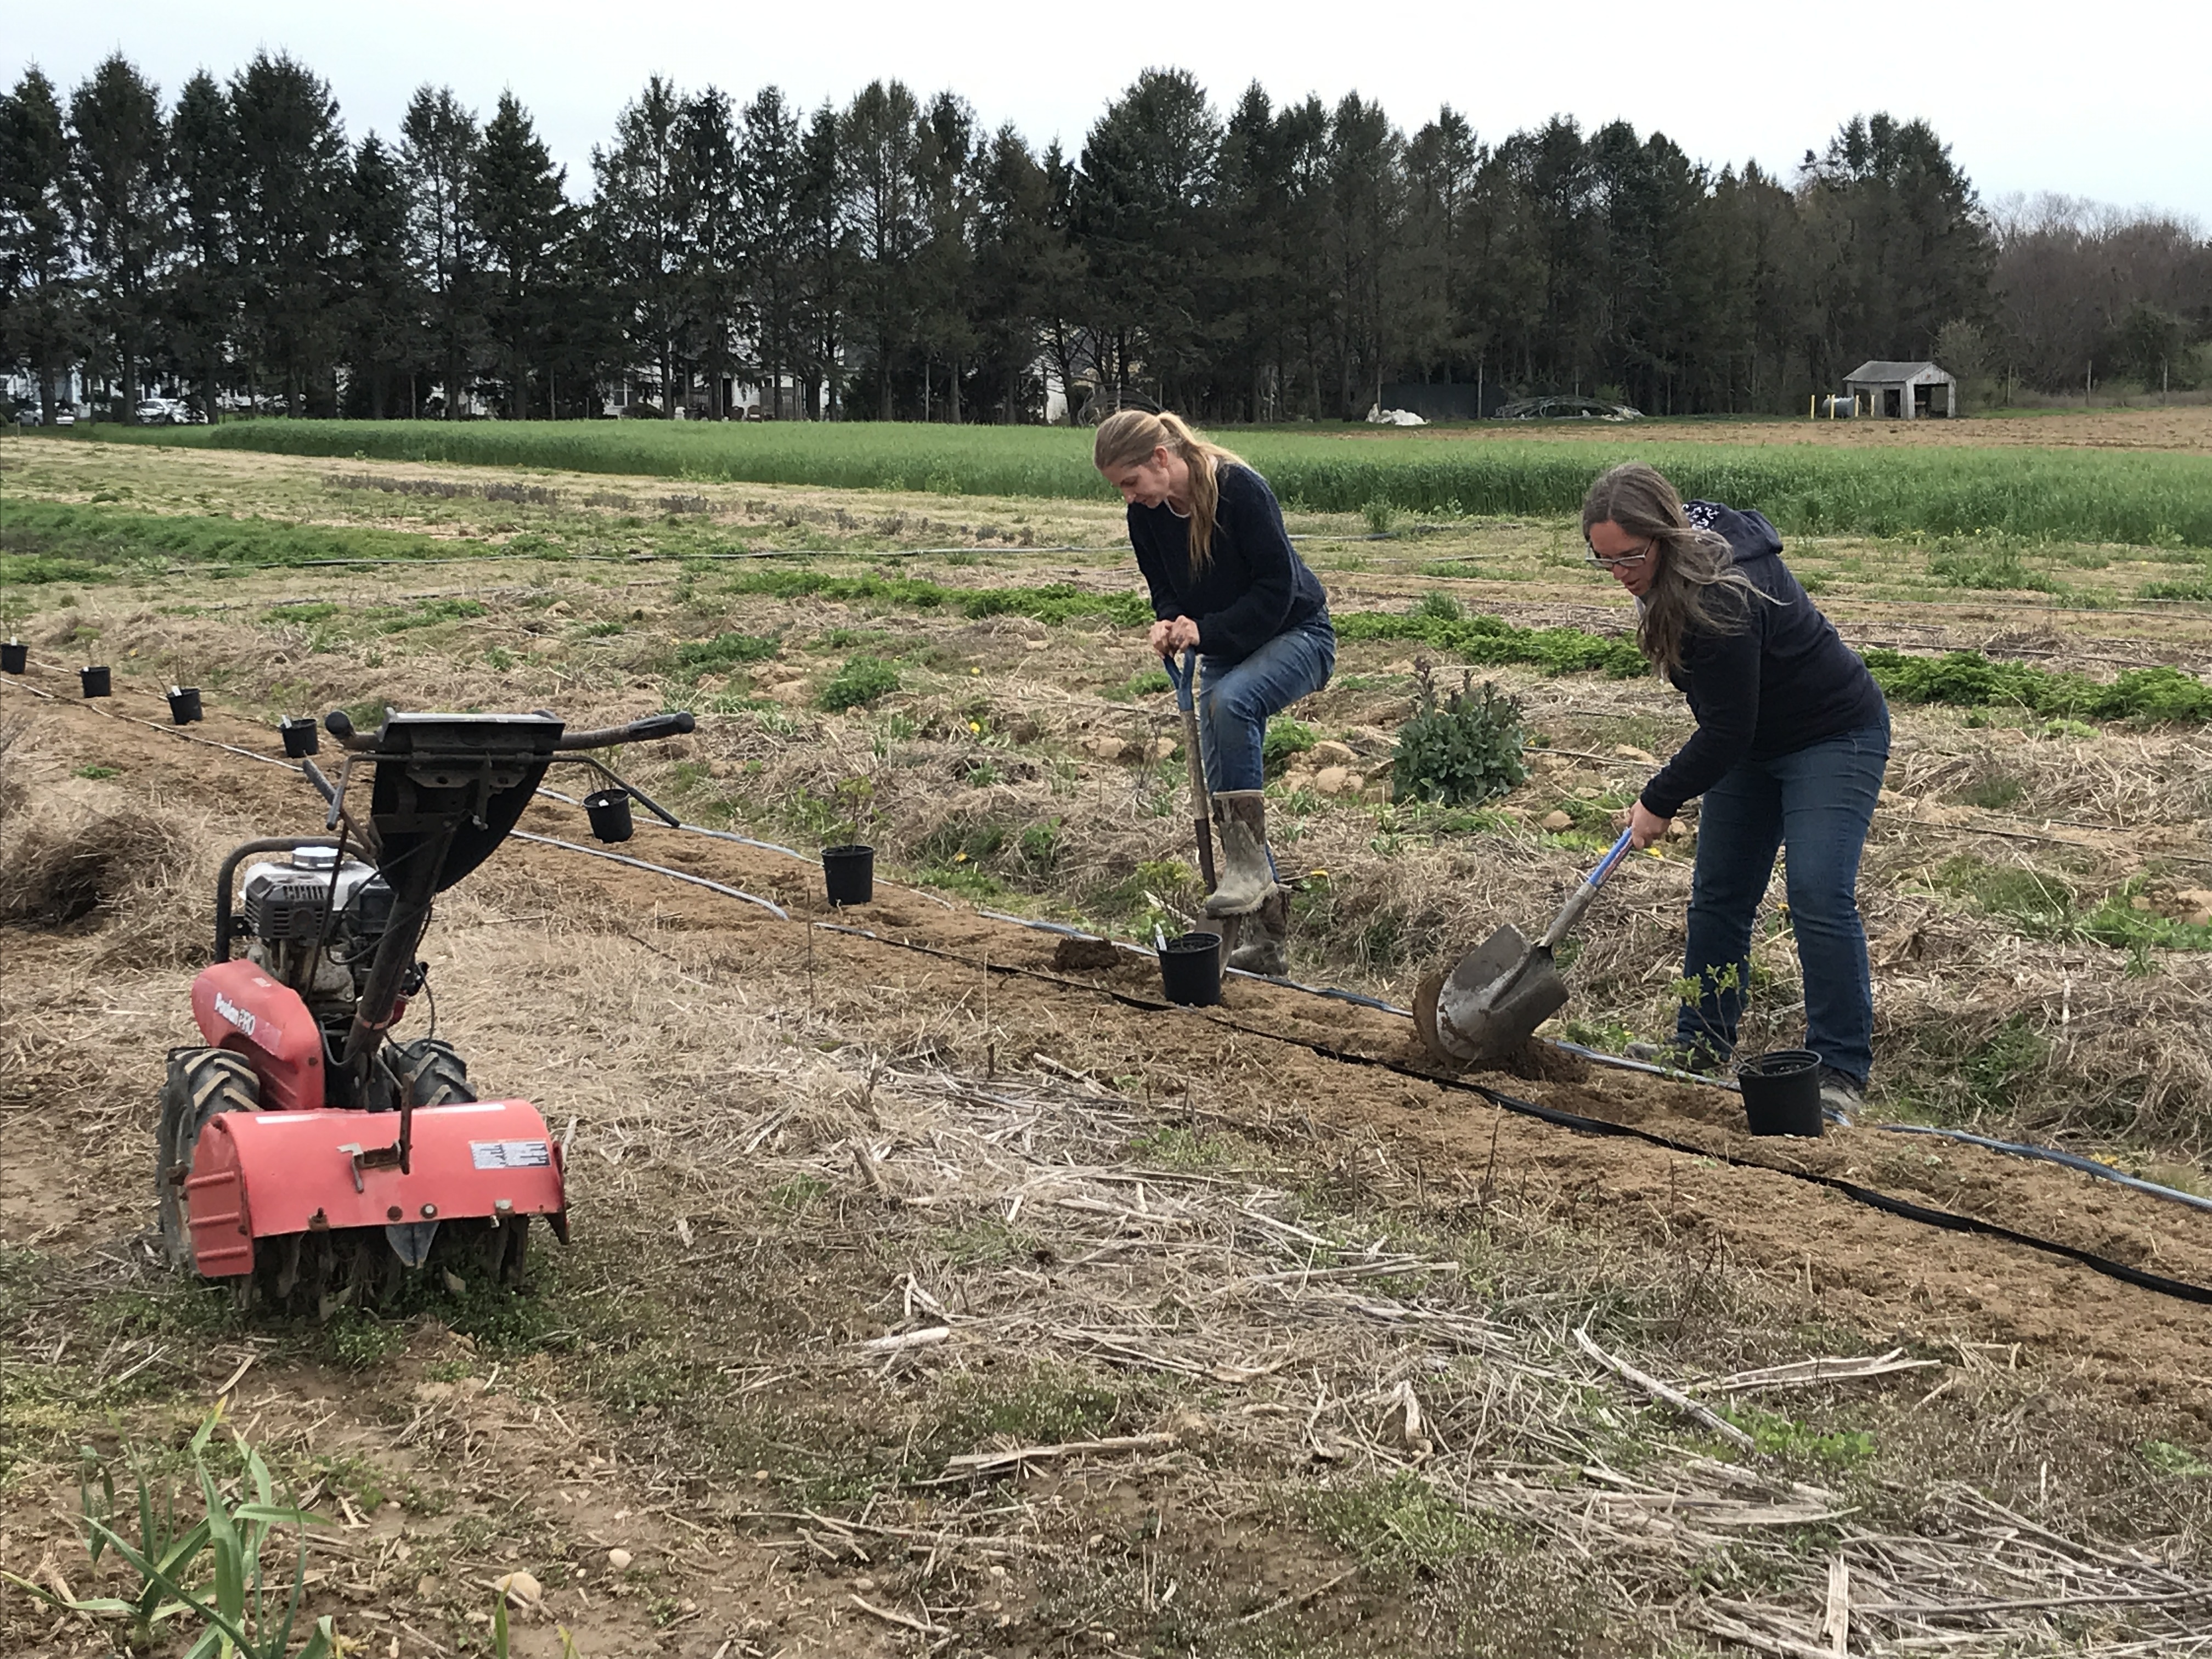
(510, 1154)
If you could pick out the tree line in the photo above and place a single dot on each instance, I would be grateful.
(892, 259)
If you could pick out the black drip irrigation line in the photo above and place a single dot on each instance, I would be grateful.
(775, 910)
(2075, 1161)
(1949, 1220)
(701, 829)
(2088, 1166)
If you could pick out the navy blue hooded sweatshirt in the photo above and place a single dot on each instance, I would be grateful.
(1782, 682)
(1253, 586)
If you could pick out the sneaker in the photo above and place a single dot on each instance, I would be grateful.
(1841, 1095)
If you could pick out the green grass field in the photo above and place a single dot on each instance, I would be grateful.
(2142, 499)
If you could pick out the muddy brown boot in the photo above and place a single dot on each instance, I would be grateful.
(1240, 819)
(1262, 944)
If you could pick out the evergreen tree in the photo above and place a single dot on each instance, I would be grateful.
(518, 210)
(1021, 263)
(291, 160)
(384, 322)
(1365, 212)
(879, 161)
(714, 240)
(1443, 167)
(439, 147)
(770, 168)
(643, 213)
(119, 160)
(1900, 228)
(829, 256)
(1144, 217)
(200, 299)
(947, 160)
(43, 322)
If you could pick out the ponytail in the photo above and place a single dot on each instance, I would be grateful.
(1128, 438)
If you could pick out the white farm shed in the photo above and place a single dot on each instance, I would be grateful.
(1904, 392)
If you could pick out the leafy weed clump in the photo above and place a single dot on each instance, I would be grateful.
(723, 651)
(1967, 679)
(1284, 738)
(1461, 750)
(860, 683)
(1488, 640)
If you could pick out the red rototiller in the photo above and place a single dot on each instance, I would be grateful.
(305, 1156)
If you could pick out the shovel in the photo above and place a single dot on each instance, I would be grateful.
(1505, 987)
(1201, 803)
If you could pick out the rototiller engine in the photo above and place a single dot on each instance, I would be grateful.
(304, 1155)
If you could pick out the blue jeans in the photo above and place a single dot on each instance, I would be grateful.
(1818, 803)
(1235, 700)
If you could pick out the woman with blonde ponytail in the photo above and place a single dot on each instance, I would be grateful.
(1210, 541)
(1792, 738)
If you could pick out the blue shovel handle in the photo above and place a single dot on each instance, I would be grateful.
(1185, 683)
(1611, 861)
(1579, 900)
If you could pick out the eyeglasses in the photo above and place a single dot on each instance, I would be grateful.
(1625, 561)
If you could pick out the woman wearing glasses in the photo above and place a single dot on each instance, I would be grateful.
(1792, 738)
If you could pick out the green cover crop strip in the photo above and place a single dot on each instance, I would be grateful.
(2138, 498)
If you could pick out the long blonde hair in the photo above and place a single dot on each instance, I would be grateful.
(1695, 585)
(1128, 438)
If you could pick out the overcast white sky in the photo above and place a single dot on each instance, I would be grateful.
(2104, 100)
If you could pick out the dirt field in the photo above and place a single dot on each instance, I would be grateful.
(2186, 427)
(1284, 1321)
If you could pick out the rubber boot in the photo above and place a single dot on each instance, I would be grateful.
(1248, 876)
(1262, 944)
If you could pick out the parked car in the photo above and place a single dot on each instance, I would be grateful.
(28, 415)
(162, 411)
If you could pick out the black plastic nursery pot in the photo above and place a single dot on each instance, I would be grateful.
(849, 873)
(1190, 970)
(15, 657)
(609, 812)
(1782, 1092)
(184, 704)
(96, 682)
(300, 737)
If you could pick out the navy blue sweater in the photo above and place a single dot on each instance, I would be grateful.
(1782, 682)
(1253, 586)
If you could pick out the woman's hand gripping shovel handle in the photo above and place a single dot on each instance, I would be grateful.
(1185, 681)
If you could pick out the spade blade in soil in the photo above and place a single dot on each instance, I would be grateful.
(1494, 1000)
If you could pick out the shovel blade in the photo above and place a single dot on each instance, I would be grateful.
(1493, 1000)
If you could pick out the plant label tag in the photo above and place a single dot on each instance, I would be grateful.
(510, 1154)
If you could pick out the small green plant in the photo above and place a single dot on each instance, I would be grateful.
(1996, 1070)
(1461, 750)
(2168, 1457)
(1039, 845)
(95, 773)
(1401, 1528)
(723, 651)
(1381, 515)
(234, 1598)
(1778, 1436)
(1284, 738)
(863, 681)
(1997, 569)
(1440, 607)
(1994, 790)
